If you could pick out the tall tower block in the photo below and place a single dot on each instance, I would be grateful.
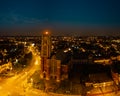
(45, 53)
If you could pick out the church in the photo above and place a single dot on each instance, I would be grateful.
(52, 66)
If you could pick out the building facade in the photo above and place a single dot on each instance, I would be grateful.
(45, 53)
(50, 65)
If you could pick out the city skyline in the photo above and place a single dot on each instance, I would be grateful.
(64, 17)
(59, 65)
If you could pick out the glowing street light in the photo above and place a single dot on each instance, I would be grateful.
(36, 62)
(31, 80)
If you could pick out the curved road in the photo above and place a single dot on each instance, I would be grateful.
(17, 85)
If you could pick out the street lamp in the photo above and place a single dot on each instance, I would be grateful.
(31, 80)
(26, 76)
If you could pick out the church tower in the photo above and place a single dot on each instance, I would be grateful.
(50, 66)
(45, 54)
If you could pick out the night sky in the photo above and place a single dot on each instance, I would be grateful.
(60, 17)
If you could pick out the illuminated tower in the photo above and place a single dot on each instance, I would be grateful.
(50, 66)
(45, 54)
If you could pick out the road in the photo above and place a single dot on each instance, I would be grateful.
(17, 85)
